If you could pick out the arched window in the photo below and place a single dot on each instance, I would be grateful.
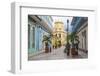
(59, 35)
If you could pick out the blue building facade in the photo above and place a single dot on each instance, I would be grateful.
(77, 22)
(80, 27)
(38, 26)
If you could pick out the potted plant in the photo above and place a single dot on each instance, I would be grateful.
(74, 44)
(47, 41)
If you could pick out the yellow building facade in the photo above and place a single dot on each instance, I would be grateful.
(59, 34)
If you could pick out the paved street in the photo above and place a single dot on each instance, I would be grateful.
(57, 54)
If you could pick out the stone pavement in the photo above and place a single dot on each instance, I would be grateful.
(57, 54)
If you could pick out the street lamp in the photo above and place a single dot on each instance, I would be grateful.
(67, 29)
(67, 44)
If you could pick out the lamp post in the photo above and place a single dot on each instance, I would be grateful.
(67, 45)
(67, 29)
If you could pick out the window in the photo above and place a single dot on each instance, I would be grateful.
(59, 28)
(33, 34)
(28, 36)
(59, 35)
(85, 39)
(56, 35)
(55, 29)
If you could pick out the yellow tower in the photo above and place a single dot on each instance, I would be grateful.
(59, 35)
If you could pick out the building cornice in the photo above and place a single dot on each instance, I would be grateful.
(42, 23)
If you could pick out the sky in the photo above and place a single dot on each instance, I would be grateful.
(64, 20)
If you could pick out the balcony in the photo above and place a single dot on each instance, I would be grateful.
(77, 22)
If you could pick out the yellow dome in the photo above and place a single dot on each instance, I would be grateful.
(59, 26)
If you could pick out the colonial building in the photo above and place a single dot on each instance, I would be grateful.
(80, 27)
(38, 26)
(59, 35)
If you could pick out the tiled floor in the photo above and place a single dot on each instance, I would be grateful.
(57, 54)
